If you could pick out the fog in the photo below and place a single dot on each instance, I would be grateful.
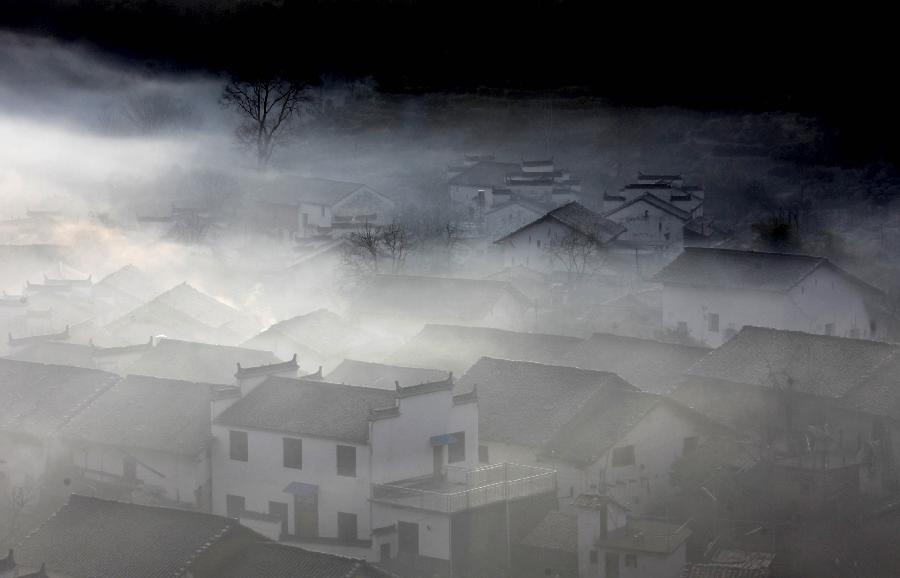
(633, 398)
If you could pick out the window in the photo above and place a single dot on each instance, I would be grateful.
(690, 444)
(483, 457)
(682, 327)
(293, 453)
(593, 556)
(234, 505)
(623, 456)
(456, 452)
(538, 243)
(829, 329)
(346, 461)
(323, 210)
(873, 327)
(385, 552)
(631, 560)
(237, 450)
(713, 321)
(346, 526)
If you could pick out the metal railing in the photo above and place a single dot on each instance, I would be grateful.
(482, 486)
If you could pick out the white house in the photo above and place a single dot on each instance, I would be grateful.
(710, 294)
(389, 475)
(596, 430)
(541, 243)
(303, 206)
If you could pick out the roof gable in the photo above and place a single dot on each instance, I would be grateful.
(578, 218)
(653, 201)
(381, 375)
(734, 269)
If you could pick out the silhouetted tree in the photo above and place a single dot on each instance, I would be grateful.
(266, 106)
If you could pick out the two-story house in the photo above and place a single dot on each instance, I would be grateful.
(389, 475)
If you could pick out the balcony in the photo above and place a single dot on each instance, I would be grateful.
(460, 489)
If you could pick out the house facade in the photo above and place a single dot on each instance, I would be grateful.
(710, 294)
(542, 243)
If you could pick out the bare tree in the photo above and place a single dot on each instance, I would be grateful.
(397, 240)
(266, 106)
(363, 248)
(579, 253)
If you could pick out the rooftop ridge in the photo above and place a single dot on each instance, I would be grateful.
(423, 388)
(62, 335)
(244, 372)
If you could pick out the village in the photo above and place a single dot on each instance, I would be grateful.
(283, 375)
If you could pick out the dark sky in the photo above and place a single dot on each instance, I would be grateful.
(753, 57)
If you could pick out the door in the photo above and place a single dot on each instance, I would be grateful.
(280, 509)
(306, 515)
(347, 529)
(612, 565)
(408, 538)
(438, 455)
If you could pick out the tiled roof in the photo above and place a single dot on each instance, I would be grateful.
(650, 365)
(58, 352)
(529, 404)
(723, 571)
(589, 434)
(815, 364)
(434, 298)
(733, 269)
(38, 399)
(879, 392)
(311, 408)
(93, 538)
(131, 281)
(202, 307)
(193, 361)
(581, 219)
(268, 560)
(147, 413)
(456, 347)
(557, 531)
(647, 536)
(380, 375)
(321, 332)
(485, 174)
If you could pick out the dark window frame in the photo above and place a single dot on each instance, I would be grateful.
(343, 463)
(238, 446)
(292, 457)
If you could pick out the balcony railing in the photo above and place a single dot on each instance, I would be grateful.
(461, 489)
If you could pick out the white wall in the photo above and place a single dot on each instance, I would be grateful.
(658, 441)
(528, 247)
(650, 225)
(401, 446)
(823, 297)
(263, 478)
